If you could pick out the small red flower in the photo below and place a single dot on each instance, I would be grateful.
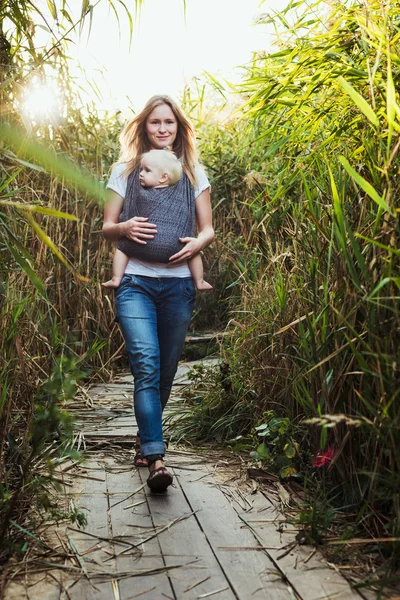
(323, 458)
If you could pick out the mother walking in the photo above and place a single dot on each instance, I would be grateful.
(155, 301)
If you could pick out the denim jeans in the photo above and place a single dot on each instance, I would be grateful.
(154, 314)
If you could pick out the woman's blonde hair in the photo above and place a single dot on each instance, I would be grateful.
(134, 140)
(167, 162)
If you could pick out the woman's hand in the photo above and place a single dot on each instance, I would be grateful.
(205, 229)
(138, 229)
(192, 247)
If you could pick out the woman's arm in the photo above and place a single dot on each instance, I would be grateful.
(204, 220)
(205, 230)
(136, 229)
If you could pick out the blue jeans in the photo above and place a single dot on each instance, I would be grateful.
(154, 314)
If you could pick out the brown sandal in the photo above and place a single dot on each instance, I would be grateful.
(138, 459)
(159, 479)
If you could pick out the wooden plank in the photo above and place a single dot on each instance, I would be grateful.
(119, 427)
(113, 433)
(112, 388)
(94, 505)
(123, 522)
(202, 339)
(38, 588)
(311, 577)
(185, 541)
(214, 535)
(123, 377)
(252, 574)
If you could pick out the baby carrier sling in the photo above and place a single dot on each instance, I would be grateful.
(170, 208)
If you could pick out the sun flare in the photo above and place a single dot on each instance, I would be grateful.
(41, 102)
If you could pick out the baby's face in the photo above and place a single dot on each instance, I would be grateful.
(150, 174)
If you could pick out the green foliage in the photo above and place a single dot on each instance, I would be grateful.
(49, 418)
(314, 521)
(75, 516)
(30, 462)
(278, 448)
(315, 200)
(51, 191)
(214, 411)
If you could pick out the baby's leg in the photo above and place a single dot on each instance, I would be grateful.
(119, 265)
(197, 271)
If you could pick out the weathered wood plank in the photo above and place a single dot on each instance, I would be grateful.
(215, 535)
(38, 587)
(94, 504)
(136, 521)
(313, 579)
(115, 428)
(187, 541)
(202, 339)
(111, 433)
(252, 574)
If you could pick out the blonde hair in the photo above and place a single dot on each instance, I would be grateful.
(135, 143)
(167, 162)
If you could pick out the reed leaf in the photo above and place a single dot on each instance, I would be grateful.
(24, 147)
(35, 208)
(359, 101)
(48, 242)
(367, 187)
(25, 266)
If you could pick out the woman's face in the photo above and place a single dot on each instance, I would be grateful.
(161, 127)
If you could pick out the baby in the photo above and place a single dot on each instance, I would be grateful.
(158, 168)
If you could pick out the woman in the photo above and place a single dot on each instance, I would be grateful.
(155, 301)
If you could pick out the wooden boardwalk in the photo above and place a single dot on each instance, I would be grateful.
(212, 535)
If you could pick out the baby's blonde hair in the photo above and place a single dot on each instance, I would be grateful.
(167, 162)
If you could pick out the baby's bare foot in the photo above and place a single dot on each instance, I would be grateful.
(112, 283)
(203, 286)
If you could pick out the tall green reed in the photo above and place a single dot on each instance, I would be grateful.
(316, 329)
(51, 189)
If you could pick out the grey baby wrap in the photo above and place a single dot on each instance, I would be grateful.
(170, 208)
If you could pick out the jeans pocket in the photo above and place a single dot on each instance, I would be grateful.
(188, 290)
(126, 279)
(126, 282)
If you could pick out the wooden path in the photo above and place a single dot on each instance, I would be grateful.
(212, 535)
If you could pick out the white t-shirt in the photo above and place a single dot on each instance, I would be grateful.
(118, 182)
